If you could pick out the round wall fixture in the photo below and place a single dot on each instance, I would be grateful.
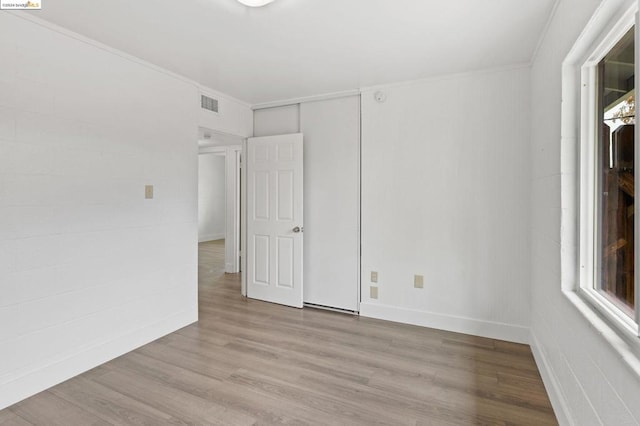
(255, 3)
(380, 96)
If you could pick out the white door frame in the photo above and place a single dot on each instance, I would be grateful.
(232, 203)
(243, 218)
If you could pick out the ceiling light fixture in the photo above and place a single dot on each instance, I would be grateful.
(255, 3)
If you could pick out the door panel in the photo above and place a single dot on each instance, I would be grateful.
(261, 197)
(286, 245)
(285, 195)
(275, 219)
(261, 259)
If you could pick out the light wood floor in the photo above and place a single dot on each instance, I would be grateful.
(248, 362)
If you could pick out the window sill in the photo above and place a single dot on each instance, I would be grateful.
(621, 339)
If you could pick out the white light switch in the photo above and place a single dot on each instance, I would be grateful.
(374, 277)
(418, 281)
(148, 192)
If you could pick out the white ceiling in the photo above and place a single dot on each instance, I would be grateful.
(298, 48)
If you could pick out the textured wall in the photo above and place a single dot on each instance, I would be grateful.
(89, 268)
(588, 382)
(445, 194)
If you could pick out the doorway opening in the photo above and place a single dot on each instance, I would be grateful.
(211, 197)
(219, 202)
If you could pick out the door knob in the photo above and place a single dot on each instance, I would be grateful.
(298, 229)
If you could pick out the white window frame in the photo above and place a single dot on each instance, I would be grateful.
(588, 140)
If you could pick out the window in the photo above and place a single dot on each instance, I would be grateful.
(615, 181)
(607, 144)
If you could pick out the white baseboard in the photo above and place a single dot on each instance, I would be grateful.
(493, 330)
(558, 402)
(210, 237)
(50, 375)
(230, 268)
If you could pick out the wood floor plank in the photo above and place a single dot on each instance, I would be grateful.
(179, 404)
(110, 405)
(49, 409)
(331, 406)
(425, 410)
(248, 362)
(7, 418)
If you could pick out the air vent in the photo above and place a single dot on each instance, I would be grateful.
(209, 103)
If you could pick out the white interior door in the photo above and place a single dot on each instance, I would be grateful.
(274, 219)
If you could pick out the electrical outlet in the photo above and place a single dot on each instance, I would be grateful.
(148, 192)
(374, 277)
(373, 292)
(418, 281)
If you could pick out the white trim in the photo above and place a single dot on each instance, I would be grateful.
(610, 311)
(313, 98)
(359, 248)
(622, 25)
(636, 160)
(232, 204)
(551, 384)
(591, 54)
(79, 37)
(489, 329)
(212, 142)
(243, 218)
(588, 167)
(212, 149)
(210, 237)
(625, 344)
(60, 370)
(577, 194)
(608, 11)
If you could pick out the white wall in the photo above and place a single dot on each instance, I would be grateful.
(331, 193)
(445, 194)
(89, 269)
(588, 382)
(211, 197)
